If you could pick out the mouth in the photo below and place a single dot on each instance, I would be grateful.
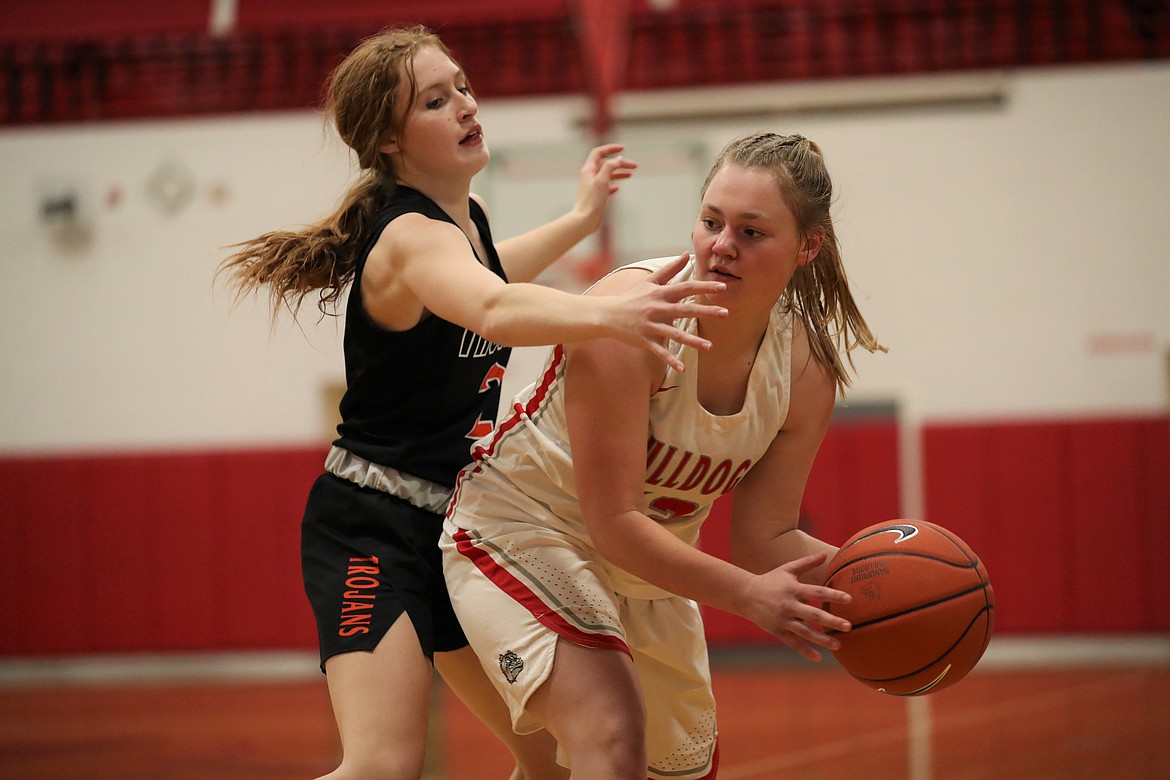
(473, 137)
(722, 273)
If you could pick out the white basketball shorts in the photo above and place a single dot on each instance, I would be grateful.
(517, 588)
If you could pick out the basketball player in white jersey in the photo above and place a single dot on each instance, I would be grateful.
(573, 569)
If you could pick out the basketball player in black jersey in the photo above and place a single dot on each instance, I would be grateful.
(429, 313)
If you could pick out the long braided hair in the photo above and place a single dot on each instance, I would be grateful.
(368, 107)
(818, 291)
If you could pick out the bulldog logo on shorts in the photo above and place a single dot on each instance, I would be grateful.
(511, 665)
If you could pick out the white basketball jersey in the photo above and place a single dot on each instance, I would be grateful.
(692, 456)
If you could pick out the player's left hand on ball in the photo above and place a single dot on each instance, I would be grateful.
(791, 615)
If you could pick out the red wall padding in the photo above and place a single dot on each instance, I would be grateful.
(199, 551)
(1072, 518)
(154, 552)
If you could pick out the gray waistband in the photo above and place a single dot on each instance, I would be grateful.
(421, 492)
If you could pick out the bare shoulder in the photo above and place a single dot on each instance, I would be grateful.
(406, 242)
(619, 282)
(410, 235)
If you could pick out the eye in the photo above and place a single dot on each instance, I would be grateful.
(434, 103)
(710, 223)
(466, 89)
(752, 233)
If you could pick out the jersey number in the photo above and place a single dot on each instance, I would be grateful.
(666, 508)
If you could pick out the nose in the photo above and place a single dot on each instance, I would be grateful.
(469, 107)
(724, 243)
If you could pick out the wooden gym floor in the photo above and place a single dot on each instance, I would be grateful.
(1034, 710)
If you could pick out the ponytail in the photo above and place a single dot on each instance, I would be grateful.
(368, 98)
(322, 256)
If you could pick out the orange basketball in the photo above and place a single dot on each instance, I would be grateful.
(922, 610)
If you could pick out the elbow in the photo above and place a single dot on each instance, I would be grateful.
(492, 323)
(496, 334)
(605, 546)
(607, 543)
(513, 315)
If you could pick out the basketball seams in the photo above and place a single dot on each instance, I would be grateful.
(966, 632)
(988, 597)
(959, 545)
(917, 608)
(970, 565)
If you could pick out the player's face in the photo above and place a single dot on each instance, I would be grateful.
(746, 237)
(442, 135)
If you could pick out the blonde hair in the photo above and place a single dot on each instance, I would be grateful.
(368, 107)
(819, 291)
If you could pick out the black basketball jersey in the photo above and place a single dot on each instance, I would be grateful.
(415, 400)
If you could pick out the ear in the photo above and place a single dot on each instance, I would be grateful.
(390, 147)
(812, 246)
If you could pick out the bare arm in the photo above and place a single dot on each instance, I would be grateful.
(526, 255)
(607, 396)
(421, 265)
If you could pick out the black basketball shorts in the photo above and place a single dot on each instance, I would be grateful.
(367, 557)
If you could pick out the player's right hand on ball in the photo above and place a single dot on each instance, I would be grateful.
(784, 607)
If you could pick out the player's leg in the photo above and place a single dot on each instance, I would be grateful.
(511, 585)
(535, 753)
(369, 591)
(592, 704)
(381, 702)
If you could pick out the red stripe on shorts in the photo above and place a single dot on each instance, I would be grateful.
(510, 584)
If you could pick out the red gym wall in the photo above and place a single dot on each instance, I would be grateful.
(199, 551)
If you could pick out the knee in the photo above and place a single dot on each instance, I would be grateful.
(617, 738)
(626, 744)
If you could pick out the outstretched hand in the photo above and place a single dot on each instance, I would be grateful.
(603, 168)
(644, 316)
(781, 605)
